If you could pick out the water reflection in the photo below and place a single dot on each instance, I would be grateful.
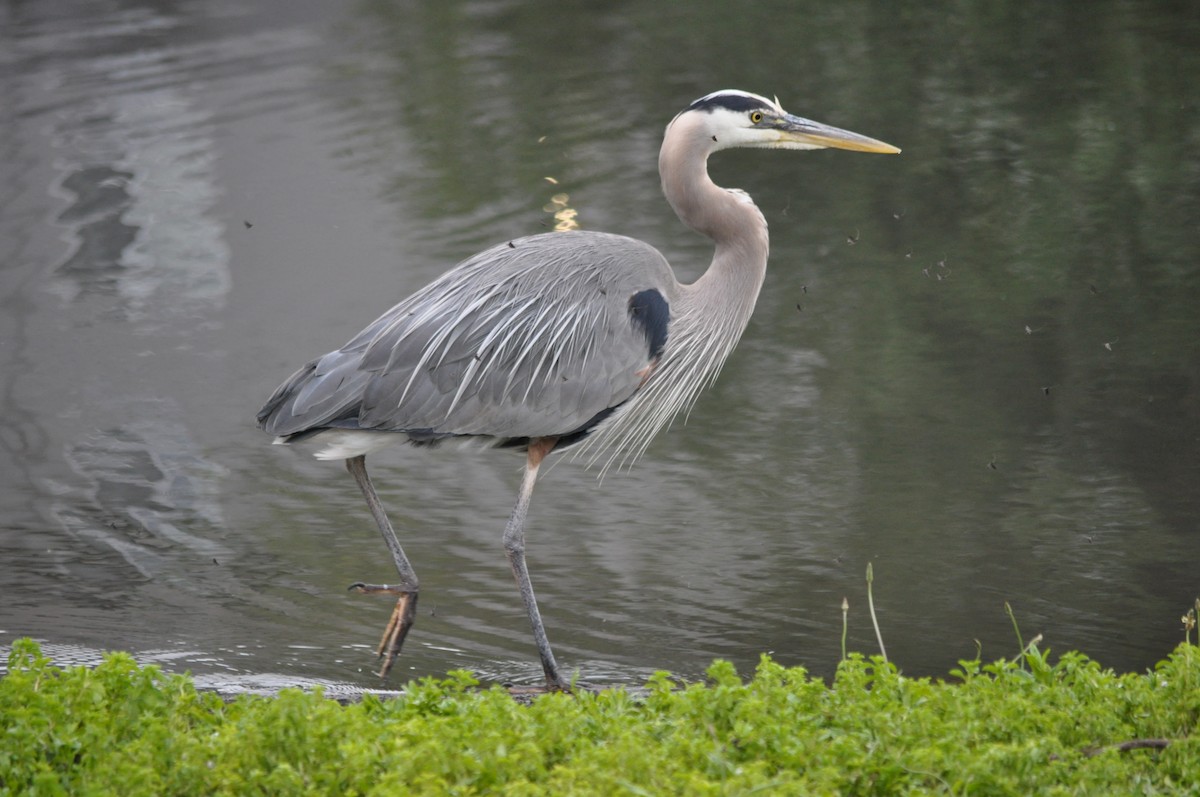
(974, 365)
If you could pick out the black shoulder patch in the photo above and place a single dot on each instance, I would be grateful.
(649, 312)
(731, 102)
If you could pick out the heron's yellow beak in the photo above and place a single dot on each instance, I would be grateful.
(795, 131)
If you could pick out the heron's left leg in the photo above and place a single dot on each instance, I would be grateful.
(514, 547)
(405, 612)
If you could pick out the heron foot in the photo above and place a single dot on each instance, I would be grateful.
(399, 624)
(526, 693)
(563, 686)
(390, 589)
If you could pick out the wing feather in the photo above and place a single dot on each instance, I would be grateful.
(524, 340)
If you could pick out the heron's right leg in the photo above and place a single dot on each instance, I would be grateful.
(405, 612)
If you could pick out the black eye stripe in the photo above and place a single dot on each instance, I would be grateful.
(730, 102)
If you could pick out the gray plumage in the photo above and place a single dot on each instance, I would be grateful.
(554, 340)
(528, 339)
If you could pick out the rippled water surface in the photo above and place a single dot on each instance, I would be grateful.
(975, 365)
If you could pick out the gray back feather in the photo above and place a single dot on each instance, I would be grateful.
(527, 339)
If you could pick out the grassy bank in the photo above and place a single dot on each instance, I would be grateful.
(1020, 726)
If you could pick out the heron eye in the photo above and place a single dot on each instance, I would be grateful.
(756, 117)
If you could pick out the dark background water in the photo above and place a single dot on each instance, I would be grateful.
(975, 365)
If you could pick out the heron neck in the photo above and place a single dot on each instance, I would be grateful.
(731, 219)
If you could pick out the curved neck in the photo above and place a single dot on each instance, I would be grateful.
(707, 316)
(730, 218)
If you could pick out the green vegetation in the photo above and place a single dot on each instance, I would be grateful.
(1021, 726)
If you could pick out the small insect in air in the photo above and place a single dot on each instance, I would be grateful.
(942, 271)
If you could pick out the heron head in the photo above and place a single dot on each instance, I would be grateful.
(731, 118)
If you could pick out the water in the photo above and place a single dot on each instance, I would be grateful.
(974, 365)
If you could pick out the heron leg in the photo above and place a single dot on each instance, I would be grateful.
(405, 612)
(514, 548)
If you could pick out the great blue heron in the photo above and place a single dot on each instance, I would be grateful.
(554, 340)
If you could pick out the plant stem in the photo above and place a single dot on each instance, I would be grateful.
(1009, 611)
(845, 612)
(871, 606)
